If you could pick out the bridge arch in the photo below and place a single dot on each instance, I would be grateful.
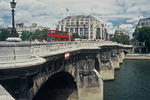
(60, 86)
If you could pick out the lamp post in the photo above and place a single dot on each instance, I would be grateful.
(84, 32)
(77, 23)
(13, 36)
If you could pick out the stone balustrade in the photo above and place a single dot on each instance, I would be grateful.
(11, 51)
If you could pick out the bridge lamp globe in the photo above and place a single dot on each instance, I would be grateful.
(13, 4)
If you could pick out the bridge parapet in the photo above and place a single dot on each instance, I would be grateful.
(10, 51)
(17, 51)
(52, 48)
(14, 55)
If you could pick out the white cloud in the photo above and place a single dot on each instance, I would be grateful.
(110, 28)
(135, 19)
(1, 22)
(128, 27)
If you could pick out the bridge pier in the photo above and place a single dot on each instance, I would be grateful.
(105, 63)
(115, 58)
(121, 57)
(107, 71)
(115, 62)
(90, 85)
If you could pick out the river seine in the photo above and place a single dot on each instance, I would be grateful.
(132, 82)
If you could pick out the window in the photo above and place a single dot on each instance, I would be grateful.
(76, 30)
(86, 23)
(72, 23)
(86, 19)
(67, 29)
(67, 23)
(86, 32)
(62, 28)
(81, 23)
(86, 29)
(52, 32)
(61, 32)
(71, 30)
(65, 33)
(72, 20)
(81, 30)
(82, 19)
(91, 26)
(143, 23)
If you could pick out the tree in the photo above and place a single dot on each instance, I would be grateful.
(75, 35)
(4, 34)
(142, 35)
(38, 34)
(25, 35)
(124, 39)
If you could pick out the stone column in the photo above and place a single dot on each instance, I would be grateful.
(106, 69)
(85, 81)
(89, 90)
(133, 50)
(140, 50)
(89, 31)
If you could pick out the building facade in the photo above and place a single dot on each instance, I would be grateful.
(87, 27)
(144, 22)
(120, 31)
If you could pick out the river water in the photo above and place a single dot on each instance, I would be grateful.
(132, 82)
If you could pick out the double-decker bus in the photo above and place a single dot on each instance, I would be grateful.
(54, 35)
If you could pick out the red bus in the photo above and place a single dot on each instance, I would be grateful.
(54, 35)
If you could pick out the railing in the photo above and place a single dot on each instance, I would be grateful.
(53, 47)
(11, 51)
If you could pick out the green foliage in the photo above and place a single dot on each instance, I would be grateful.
(124, 39)
(25, 35)
(38, 34)
(75, 35)
(142, 34)
(4, 34)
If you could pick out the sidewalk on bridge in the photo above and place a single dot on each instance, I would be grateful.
(4, 95)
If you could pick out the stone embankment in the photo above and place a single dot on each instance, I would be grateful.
(138, 56)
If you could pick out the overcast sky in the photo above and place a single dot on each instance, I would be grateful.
(114, 13)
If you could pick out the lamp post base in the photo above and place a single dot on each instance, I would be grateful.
(13, 39)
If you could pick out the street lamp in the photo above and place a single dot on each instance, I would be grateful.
(13, 4)
(77, 23)
(84, 32)
(77, 29)
(13, 36)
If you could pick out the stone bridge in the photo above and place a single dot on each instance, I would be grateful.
(59, 70)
